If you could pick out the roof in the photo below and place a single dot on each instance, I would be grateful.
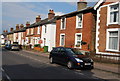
(76, 12)
(43, 22)
(21, 30)
(98, 4)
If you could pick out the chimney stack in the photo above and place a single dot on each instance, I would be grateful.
(21, 26)
(27, 23)
(11, 29)
(17, 26)
(51, 14)
(81, 4)
(38, 18)
(4, 31)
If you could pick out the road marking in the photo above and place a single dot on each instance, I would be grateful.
(6, 74)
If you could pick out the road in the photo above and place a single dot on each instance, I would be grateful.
(28, 66)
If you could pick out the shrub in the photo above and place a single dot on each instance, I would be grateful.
(37, 45)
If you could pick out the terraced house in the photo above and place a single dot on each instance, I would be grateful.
(48, 30)
(10, 36)
(77, 29)
(108, 28)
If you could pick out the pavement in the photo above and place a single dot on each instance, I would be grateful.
(113, 68)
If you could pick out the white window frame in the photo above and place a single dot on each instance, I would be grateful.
(62, 23)
(45, 30)
(38, 30)
(32, 31)
(107, 40)
(60, 39)
(76, 40)
(108, 14)
(28, 31)
(77, 18)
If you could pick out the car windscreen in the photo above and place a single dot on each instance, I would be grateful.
(15, 45)
(73, 51)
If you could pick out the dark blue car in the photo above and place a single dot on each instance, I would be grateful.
(71, 57)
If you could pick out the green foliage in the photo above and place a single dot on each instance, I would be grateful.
(37, 45)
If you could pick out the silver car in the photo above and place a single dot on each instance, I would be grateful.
(15, 47)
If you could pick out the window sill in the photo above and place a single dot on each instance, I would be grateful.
(78, 27)
(111, 50)
(62, 29)
(113, 24)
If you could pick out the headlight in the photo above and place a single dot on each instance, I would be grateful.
(78, 60)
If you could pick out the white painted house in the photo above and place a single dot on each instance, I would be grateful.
(48, 32)
(48, 35)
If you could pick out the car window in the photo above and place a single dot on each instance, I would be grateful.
(73, 51)
(62, 50)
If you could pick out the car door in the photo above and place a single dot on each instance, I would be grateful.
(63, 57)
(55, 54)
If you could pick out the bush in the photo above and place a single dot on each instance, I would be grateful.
(37, 45)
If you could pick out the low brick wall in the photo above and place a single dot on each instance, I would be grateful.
(38, 49)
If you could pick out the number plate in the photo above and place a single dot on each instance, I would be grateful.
(87, 63)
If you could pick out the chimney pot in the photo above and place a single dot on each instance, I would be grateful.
(11, 29)
(38, 18)
(51, 14)
(27, 23)
(17, 26)
(21, 26)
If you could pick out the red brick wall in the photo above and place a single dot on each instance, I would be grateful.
(71, 30)
(103, 29)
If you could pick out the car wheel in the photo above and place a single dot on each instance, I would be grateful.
(70, 65)
(51, 60)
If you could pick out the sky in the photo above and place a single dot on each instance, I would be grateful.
(20, 11)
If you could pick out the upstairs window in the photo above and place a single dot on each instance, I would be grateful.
(114, 11)
(79, 19)
(114, 14)
(63, 23)
(45, 29)
(28, 32)
(38, 30)
(32, 31)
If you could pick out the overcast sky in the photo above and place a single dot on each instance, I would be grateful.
(20, 11)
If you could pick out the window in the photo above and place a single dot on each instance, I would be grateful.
(113, 40)
(78, 39)
(62, 39)
(79, 21)
(45, 29)
(27, 31)
(38, 30)
(114, 14)
(63, 23)
(32, 31)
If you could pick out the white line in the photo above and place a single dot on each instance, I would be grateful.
(6, 74)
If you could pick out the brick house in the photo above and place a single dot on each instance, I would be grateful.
(15, 34)
(10, 36)
(75, 28)
(108, 27)
(33, 33)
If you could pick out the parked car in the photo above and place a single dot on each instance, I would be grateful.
(15, 47)
(71, 57)
(2, 45)
(8, 46)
